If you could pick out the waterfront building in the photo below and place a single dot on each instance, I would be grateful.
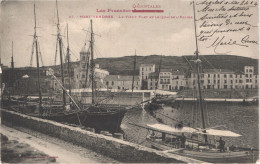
(179, 80)
(152, 80)
(225, 79)
(121, 82)
(144, 71)
(210, 79)
(165, 77)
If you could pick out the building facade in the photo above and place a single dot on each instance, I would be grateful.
(121, 82)
(144, 71)
(209, 79)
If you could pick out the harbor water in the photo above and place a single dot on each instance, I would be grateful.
(239, 118)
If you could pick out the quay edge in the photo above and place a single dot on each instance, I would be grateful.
(120, 150)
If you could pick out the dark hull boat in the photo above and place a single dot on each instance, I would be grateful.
(101, 118)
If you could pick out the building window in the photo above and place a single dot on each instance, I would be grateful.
(208, 81)
(225, 76)
(251, 75)
(225, 81)
(246, 75)
(83, 76)
(218, 76)
(247, 80)
(107, 83)
(250, 70)
(208, 75)
(231, 81)
(112, 82)
(231, 76)
(218, 81)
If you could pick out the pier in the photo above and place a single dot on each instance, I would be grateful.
(117, 149)
(219, 99)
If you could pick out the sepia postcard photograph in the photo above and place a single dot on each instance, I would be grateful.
(129, 81)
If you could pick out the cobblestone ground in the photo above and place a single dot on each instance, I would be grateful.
(63, 152)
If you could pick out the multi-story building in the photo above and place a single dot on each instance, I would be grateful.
(179, 81)
(121, 82)
(225, 79)
(144, 71)
(165, 77)
(152, 80)
(209, 79)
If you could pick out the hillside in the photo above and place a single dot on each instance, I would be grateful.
(124, 65)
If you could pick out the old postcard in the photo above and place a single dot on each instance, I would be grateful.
(142, 81)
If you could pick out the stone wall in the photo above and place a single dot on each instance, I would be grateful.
(120, 150)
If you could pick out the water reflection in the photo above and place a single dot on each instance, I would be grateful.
(241, 119)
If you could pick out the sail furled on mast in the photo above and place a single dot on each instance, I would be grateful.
(36, 46)
(198, 74)
(59, 39)
(133, 81)
(92, 65)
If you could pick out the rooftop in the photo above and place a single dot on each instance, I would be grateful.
(147, 65)
(120, 78)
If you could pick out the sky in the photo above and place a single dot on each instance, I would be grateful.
(115, 37)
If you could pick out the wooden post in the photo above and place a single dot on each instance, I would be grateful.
(163, 136)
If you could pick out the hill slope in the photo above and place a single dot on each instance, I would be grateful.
(124, 65)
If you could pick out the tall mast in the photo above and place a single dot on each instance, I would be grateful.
(198, 76)
(12, 70)
(1, 78)
(159, 70)
(68, 58)
(37, 59)
(134, 73)
(12, 58)
(61, 58)
(92, 63)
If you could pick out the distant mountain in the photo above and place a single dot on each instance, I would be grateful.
(124, 65)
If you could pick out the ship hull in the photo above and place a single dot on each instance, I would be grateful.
(212, 157)
(104, 121)
(107, 119)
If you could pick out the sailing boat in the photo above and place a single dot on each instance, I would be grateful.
(172, 141)
(101, 116)
(95, 116)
